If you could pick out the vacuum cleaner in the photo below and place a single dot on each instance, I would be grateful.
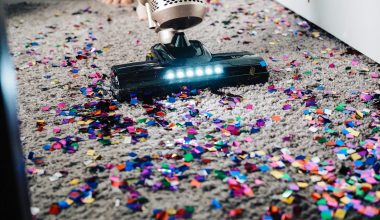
(176, 61)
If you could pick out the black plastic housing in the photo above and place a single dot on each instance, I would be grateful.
(151, 76)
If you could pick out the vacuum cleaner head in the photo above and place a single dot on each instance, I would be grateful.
(178, 62)
(185, 63)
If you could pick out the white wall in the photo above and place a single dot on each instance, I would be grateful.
(355, 22)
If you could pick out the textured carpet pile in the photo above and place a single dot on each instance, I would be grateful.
(296, 144)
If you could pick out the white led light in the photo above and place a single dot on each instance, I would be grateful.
(199, 71)
(218, 69)
(189, 73)
(208, 70)
(180, 74)
(170, 75)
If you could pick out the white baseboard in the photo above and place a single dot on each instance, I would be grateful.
(355, 22)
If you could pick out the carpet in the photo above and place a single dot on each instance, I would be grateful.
(303, 145)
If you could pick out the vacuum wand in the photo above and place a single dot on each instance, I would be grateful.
(169, 16)
(177, 61)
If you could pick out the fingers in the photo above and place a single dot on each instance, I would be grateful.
(116, 2)
(108, 1)
(126, 2)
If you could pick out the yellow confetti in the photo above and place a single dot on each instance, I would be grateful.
(212, 149)
(315, 178)
(89, 122)
(350, 188)
(54, 82)
(69, 201)
(277, 174)
(359, 113)
(91, 152)
(353, 132)
(316, 62)
(288, 200)
(378, 194)
(321, 184)
(243, 156)
(88, 200)
(340, 214)
(275, 158)
(171, 211)
(302, 184)
(260, 153)
(230, 120)
(296, 164)
(105, 49)
(356, 156)
(315, 34)
(308, 117)
(97, 157)
(345, 200)
(74, 181)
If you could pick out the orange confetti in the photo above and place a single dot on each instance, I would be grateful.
(276, 118)
(195, 183)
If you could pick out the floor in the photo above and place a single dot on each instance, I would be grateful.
(304, 145)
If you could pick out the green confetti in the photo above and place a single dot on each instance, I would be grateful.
(209, 136)
(322, 140)
(188, 157)
(190, 209)
(165, 166)
(141, 121)
(105, 142)
(359, 193)
(322, 202)
(220, 174)
(369, 198)
(340, 107)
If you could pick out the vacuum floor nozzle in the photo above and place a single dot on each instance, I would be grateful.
(168, 67)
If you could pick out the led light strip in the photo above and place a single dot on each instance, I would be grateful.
(191, 72)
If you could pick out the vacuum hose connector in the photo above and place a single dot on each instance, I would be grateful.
(169, 16)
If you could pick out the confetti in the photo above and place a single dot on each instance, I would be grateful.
(189, 139)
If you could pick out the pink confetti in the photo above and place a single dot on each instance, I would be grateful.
(375, 75)
(56, 129)
(355, 62)
(259, 182)
(192, 131)
(57, 145)
(248, 139)
(131, 129)
(45, 108)
(296, 63)
(96, 75)
(249, 106)
(61, 105)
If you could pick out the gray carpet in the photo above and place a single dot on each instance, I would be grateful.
(41, 35)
